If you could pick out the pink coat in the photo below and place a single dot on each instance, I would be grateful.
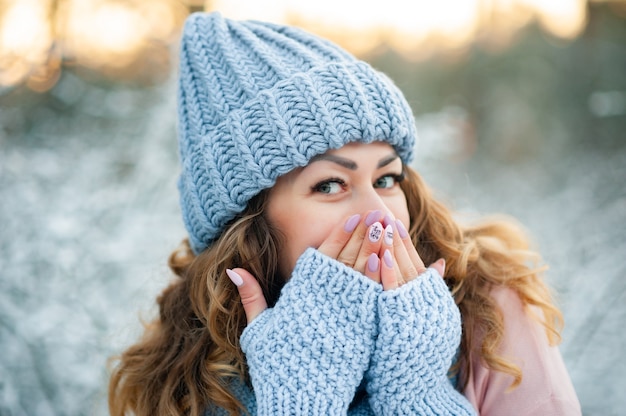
(546, 388)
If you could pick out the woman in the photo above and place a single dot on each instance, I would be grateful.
(302, 288)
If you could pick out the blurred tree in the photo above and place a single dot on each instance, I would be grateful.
(539, 89)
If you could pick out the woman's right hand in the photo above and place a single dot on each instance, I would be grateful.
(360, 238)
(250, 292)
(309, 352)
(347, 243)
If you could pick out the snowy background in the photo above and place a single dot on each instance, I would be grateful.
(89, 210)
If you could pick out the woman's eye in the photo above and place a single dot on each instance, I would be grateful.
(387, 181)
(329, 187)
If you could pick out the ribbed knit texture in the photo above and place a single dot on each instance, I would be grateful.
(257, 100)
(419, 333)
(308, 354)
(332, 329)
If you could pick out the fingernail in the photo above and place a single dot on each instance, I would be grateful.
(388, 220)
(234, 277)
(372, 263)
(388, 259)
(402, 232)
(375, 232)
(389, 235)
(442, 261)
(372, 217)
(352, 222)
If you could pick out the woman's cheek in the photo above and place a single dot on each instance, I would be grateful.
(297, 242)
(316, 233)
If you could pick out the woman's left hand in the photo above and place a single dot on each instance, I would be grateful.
(400, 262)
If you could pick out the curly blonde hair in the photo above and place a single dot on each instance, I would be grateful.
(190, 355)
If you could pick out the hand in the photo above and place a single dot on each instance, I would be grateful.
(400, 262)
(419, 334)
(345, 243)
(385, 255)
(362, 245)
(382, 251)
(309, 352)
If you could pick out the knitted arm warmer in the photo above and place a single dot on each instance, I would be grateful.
(308, 354)
(419, 333)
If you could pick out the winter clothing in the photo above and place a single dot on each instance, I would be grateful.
(546, 388)
(334, 330)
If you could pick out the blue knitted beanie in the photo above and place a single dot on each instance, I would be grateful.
(257, 100)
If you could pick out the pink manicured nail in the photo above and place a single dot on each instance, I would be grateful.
(387, 220)
(234, 277)
(442, 261)
(388, 259)
(372, 217)
(401, 229)
(375, 232)
(352, 222)
(372, 263)
(389, 235)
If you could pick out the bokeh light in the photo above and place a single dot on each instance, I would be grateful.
(25, 40)
(119, 39)
(126, 39)
(415, 28)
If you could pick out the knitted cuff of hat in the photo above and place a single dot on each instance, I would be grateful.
(258, 100)
(419, 333)
(308, 354)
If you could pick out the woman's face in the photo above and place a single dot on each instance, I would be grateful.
(308, 202)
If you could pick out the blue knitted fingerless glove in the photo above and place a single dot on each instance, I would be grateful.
(308, 354)
(419, 333)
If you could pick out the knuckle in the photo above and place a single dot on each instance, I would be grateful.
(346, 260)
(410, 272)
(250, 298)
(338, 240)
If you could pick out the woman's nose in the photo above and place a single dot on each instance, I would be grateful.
(370, 200)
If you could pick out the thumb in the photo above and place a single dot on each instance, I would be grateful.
(250, 292)
(440, 266)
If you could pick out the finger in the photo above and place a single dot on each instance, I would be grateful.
(351, 249)
(389, 264)
(372, 268)
(388, 275)
(409, 261)
(336, 241)
(388, 246)
(440, 266)
(407, 268)
(250, 292)
(371, 244)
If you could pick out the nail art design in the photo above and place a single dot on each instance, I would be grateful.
(389, 235)
(375, 232)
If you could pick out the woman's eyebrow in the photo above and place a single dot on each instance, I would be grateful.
(349, 164)
(341, 161)
(387, 160)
